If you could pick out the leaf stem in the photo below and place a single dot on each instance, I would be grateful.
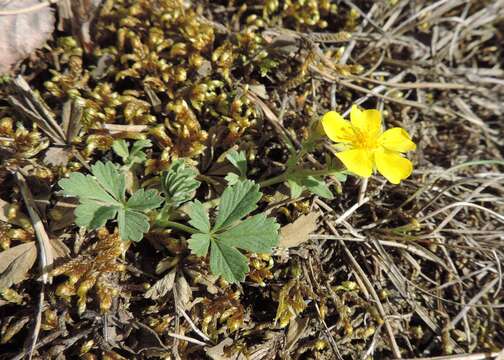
(274, 180)
(179, 226)
(285, 175)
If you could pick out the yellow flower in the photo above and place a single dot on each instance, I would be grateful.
(367, 147)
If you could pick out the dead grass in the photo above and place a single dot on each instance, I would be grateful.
(411, 271)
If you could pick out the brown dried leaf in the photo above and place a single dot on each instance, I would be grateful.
(162, 286)
(183, 293)
(59, 249)
(296, 233)
(217, 352)
(16, 262)
(297, 328)
(57, 156)
(21, 34)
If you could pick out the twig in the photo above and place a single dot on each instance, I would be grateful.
(187, 338)
(372, 291)
(45, 255)
(478, 356)
(193, 326)
(362, 190)
(350, 211)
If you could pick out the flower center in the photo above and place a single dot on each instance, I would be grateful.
(364, 141)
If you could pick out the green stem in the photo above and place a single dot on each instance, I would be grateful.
(283, 176)
(274, 180)
(179, 226)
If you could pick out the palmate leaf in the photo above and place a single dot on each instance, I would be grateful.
(82, 186)
(239, 161)
(110, 179)
(120, 147)
(199, 217)
(142, 200)
(228, 262)
(179, 183)
(236, 202)
(132, 224)
(102, 198)
(93, 215)
(199, 243)
(133, 156)
(255, 234)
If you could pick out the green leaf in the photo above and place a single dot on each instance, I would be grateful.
(82, 186)
(199, 244)
(139, 145)
(120, 147)
(318, 187)
(199, 217)
(137, 156)
(256, 234)
(340, 176)
(295, 188)
(298, 182)
(179, 183)
(132, 224)
(110, 179)
(102, 198)
(228, 262)
(239, 161)
(143, 200)
(92, 215)
(236, 202)
(232, 178)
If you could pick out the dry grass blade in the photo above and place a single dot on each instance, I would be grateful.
(379, 270)
(372, 291)
(46, 256)
(28, 104)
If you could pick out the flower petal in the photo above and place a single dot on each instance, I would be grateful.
(393, 166)
(367, 122)
(337, 128)
(358, 161)
(396, 139)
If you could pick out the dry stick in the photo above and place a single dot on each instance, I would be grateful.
(329, 336)
(26, 101)
(408, 247)
(348, 51)
(467, 199)
(371, 290)
(473, 301)
(193, 326)
(362, 190)
(155, 334)
(45, 255)
(46, 340)
(416, 85)
(350, 211)
(478, 356)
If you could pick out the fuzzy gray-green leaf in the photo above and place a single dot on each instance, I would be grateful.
(228, 262)
(236, 202)
(110, 179)
(256, 234)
